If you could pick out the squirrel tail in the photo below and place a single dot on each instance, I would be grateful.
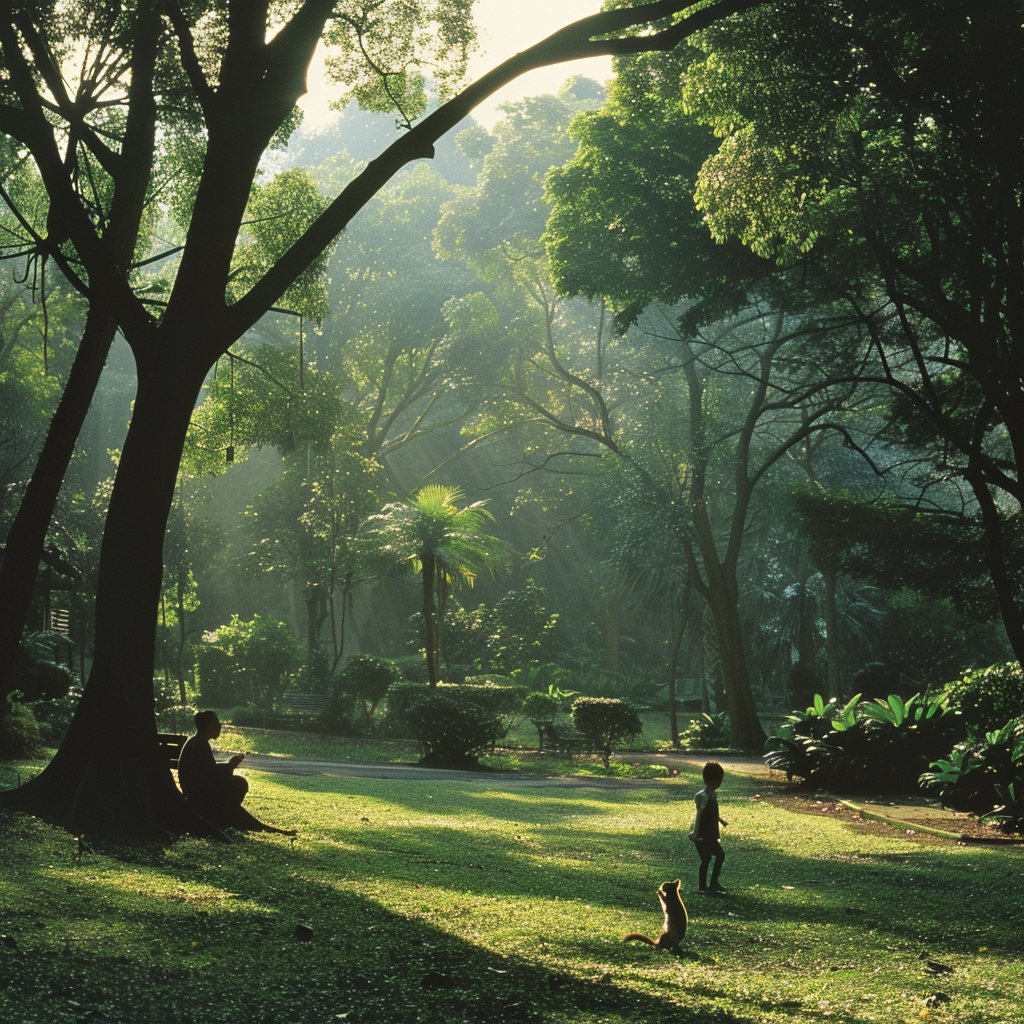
(639, 938)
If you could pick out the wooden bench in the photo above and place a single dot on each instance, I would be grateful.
(170, 746)
(550, 739)
(311, 705)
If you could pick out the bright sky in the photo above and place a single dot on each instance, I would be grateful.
(505, 27)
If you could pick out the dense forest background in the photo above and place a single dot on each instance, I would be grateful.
(450, 352)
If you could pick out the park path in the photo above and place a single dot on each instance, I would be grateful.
(414, 773)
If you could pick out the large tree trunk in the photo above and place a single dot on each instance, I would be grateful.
(108, 774)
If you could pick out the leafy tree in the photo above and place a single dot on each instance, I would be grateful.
(882, 145)
(239, 94)
(248, 663)
(431, 536)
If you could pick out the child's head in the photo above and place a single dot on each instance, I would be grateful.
(713, 774)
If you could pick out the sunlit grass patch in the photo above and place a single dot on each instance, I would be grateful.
(454, 901)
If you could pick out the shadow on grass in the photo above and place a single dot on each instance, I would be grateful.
(234, 954)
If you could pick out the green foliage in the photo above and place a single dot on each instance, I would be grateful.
(984, 776)
(500, 700)
(520, 629)
(277, 214)
(363, 679)
(247, 663)
(988, 697)
(863, 746)
(606, 722)
(623, 223)
(176, 718)
(382, 52)
(541, 705)
(54, 716)
(19, 732)
(400, 696)
(450, 727)
(34, 671)
(432, 536)
(707, 732)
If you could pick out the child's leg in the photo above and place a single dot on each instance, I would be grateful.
(705, 852)
(719, 855)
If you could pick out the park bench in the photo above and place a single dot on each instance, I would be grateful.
(551, 739)
(312, 705)
(306, 708)
(170, 746)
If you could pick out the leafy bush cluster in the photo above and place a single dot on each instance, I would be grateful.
(454, 723)
(989, 697)
(248, 663)
(19, 733)
(707, 732)
(360, 687)
(985, 776)
(606, 723)
(880, 745)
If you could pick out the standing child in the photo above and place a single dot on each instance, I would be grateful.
(704, 832)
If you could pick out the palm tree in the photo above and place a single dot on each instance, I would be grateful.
(447, 545)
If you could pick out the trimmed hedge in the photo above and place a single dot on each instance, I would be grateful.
(495, 705)
(606, 722)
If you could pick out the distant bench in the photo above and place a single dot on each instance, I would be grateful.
(311, 705)
(561, 742)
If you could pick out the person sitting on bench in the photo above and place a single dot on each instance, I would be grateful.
(211, 788)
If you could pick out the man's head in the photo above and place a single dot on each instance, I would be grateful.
(207, 724)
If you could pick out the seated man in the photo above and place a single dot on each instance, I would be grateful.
(211, 788)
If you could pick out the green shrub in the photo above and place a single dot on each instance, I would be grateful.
(414, 667)
(984, 776)
(176, 718)
(400, 696)
(879, 745)
(359, 688)
(451, 729)
(19, 733)
(247, 663)
(54, 716)
(988, 697)
(499, 698)
(606, 722)
(706, 732)
(540, 707)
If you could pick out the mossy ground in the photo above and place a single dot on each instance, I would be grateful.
(454, 901)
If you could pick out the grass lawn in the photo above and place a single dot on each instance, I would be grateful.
(490, 902)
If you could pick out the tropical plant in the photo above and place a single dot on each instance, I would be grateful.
(882, 745)
(431, 536)
(706, 732)
(606, 722)
(984, 776)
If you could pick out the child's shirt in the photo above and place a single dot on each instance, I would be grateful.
(706, 801)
